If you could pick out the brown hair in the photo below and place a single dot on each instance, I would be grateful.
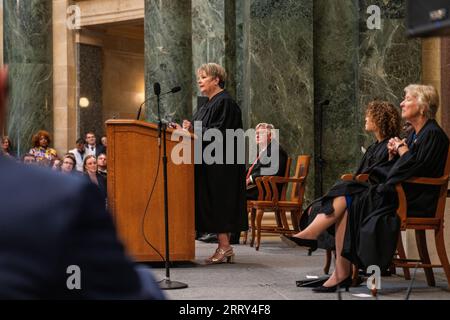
(386, 117)
(86, 159)
(6, 138)
(38, 135)
(71, 157)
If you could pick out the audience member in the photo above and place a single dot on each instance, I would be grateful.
(92, 148)
(41, 150)
(91, 171)
(79, 153)
(68, 163)
(101, 164)
(28, 159)
(7, 147)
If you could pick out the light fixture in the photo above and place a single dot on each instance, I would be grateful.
(84, 102)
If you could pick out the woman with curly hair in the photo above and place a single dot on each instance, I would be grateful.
(364, 217)
(383, 121)
(41, 150)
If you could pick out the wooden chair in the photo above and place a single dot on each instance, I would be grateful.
(278, 202)
(262, 197)
(435, 223)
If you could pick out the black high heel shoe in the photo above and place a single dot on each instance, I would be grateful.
(311, 244)
(346, 283)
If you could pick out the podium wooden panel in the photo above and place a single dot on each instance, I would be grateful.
(133, 157)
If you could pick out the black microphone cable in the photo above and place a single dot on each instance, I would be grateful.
(148, 203)
(408, 292)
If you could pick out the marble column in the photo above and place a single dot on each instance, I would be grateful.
(28, 54)
(168, 56)
(279, 84)
(335, 79)
(89, 77)
(214, 39)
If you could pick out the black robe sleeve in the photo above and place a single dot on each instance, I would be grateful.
(426, 157)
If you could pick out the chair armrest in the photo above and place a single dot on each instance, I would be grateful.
(363, 177)
(347, 177)
(430, 181)
(402, 204)
(281, 180)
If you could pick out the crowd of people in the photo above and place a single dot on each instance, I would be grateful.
(87, 159)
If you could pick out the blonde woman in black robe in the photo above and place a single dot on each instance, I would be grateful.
(220, 204)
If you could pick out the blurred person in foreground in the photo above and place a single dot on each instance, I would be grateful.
(52, 225)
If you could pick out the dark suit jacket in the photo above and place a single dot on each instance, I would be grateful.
(99, 148)
(49, 222)
(263, 162)
(102, 184)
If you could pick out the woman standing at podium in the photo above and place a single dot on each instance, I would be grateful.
(220, 205)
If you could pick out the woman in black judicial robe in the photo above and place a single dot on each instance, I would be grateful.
(383, 121)
(220, 205)
(364, 214)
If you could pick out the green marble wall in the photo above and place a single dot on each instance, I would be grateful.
(214, 39)
(90, 86)
(28, 54)
(279, 71)
(168, 56)
(388, 61)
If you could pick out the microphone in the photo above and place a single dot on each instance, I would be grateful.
(157, 92)
(157, 88)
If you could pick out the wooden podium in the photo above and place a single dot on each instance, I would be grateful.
(134, 162)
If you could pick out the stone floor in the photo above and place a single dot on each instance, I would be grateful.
(271, 273)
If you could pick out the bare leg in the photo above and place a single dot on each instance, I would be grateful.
(224, 241)
(342, 270)
(322, 221)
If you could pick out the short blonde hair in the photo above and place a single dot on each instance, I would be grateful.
(427, 97)
(214, 70)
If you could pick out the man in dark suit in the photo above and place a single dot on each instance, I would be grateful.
(92, 148)
(57, 241)
(265, 159)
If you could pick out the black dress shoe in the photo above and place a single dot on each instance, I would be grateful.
(311, 244)
(346, 283)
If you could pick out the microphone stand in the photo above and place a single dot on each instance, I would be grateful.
(166, 284)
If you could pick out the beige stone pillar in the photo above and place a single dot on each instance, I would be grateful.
(64, 79)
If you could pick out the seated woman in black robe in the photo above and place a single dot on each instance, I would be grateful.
(383, 121)
(364, 214)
